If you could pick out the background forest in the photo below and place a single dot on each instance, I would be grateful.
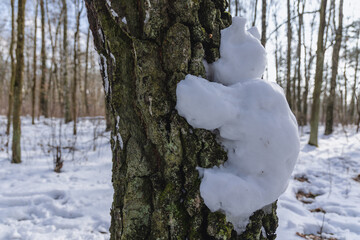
(50, 79)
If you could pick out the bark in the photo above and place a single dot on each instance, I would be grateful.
(86, 74)
(18, 83)
(288, 57)
(12, 79)
(155, 151)
(308, 65)
(78, 11)
(299, 112)
(277, 52)
(67, 114)
(314, 122)
(263, 23)
(255, 11)
(353, 90)
(33, 88)
(334, 71)
(43, 94)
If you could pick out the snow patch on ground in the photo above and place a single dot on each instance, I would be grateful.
(328, 173)
(37, 203)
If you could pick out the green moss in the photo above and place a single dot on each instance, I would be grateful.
(176, 50)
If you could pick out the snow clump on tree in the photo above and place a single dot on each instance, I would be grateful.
(255, 126)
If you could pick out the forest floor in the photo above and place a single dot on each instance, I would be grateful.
(323, 197)
(38, 204)
(321, 202)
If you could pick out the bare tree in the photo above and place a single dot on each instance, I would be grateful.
(314, 122)
(334, 71)
(43, 95)
(11, 53)
(18, 83)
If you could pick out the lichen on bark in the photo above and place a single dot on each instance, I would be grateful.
(155, 151)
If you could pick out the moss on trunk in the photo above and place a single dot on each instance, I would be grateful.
(145, 49)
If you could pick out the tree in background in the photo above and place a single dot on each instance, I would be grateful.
(18, 83)
(334, 72)
(145, 50)
(43, 94)
(33, 88)
(315, 108)
(12, 79)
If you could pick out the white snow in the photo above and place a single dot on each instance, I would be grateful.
(124, 20)
(256, 127)
(147, 11)
(37, 203)
(114, 13)
(106, 77)
(119, 138)
(329, 171)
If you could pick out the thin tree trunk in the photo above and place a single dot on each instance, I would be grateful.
(76, 64)
(236, 7)
(334, 71)
(12, 79)
(288, 57)
(43, 94)
(299, 112)
(314, 122)
(67, 113)
(155, 151)
(18, 83)
(276, 53)
(33, 89)
(86, 74)
(308, 65)
(255, 11)
(263, 23)
(353, 90)
(324, 98)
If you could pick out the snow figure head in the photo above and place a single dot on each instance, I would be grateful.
(242, 55)
(255, 126)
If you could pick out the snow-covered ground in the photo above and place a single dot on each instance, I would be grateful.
(36, 203)
(324, 182)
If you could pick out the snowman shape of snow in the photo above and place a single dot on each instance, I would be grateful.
(255, 126)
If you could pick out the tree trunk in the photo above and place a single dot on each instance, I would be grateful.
(255, 11)
(43, 94)
(12, 79)
(308, 65)
(18, 83)
(314, 122)
(334, 70)
(288, 57)
(299, 114)
(67, 114)
(263, 23)
(76, 64)
(33, 89)
(145, 49)
(353, 90)
(86, 74)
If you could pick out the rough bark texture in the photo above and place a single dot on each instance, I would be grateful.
(145, 49)
(315, 108)
(334, 70)
(18, 83)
